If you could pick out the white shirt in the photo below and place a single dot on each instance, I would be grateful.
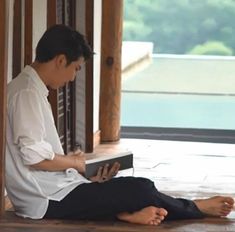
(32, 137)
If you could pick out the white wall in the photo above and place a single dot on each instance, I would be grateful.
(81, 26)
(39, 26)
(39, 21)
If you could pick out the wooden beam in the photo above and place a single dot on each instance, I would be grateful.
(51, 12)
(110, 86)
(89, 18)
(72, 85)
(3, 81)
(53, 94)
(17, 38)
(28, 40)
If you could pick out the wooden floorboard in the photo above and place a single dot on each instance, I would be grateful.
(176, 168)
(15, 224)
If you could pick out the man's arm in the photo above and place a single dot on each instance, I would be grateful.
(62, 162)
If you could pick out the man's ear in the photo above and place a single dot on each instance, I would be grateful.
(60, 61)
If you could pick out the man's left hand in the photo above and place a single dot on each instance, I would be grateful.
(105, 173)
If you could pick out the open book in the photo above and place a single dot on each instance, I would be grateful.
(124, 158)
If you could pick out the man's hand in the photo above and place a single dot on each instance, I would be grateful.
(105, 173)
(79, 161)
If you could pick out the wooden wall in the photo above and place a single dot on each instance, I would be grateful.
(110, 90)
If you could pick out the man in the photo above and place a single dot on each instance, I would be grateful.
(42, 182)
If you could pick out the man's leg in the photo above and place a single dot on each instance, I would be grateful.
(179, 208)
(215, 206)
(103, 200)
(128, 195)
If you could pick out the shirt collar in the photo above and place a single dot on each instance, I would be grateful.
(35, 77)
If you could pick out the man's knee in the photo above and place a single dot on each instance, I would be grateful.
(141, 185)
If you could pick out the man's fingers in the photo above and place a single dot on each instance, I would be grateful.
(105, 171)
(99, 173)
(80, 153)
(117, 167)
(114, 170)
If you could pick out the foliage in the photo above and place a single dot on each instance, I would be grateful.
(212, 48)
(176, 26)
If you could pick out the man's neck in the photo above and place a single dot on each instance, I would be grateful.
(42, 70)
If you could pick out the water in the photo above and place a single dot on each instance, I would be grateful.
(161, 97)
(180, 111)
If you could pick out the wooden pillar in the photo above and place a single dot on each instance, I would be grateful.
(17, 38)
(28, 36)
(3, 81)
(52, 20)
(110, 86)
(89, 20)
(51, 12)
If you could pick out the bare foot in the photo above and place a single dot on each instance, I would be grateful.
(147, 216)
(218, 206)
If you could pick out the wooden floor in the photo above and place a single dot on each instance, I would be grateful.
(182, 169)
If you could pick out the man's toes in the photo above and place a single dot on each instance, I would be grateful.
(162, 212)
(227, 207)
(158, 221)
(159, 217)
(224, 214)
(226, 211)
(155, 222)
(228, 200)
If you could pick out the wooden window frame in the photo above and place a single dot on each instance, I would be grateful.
(3, 83)
(67, 93)
(17, 38)
(52, 18)
(28, 34)
(89, 114)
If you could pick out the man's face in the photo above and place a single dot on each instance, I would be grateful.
(66, 73)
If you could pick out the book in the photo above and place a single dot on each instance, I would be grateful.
(125, 159)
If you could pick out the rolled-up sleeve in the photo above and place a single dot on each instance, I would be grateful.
(28, 128)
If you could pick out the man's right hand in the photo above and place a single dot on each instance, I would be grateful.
(79, 161)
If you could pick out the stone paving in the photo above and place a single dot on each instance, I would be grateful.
(193, 167)
(182, 169)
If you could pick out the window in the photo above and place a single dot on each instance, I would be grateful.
(187, 90)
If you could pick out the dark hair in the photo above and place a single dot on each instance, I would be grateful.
(60, 39)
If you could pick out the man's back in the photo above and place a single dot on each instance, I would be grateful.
(32, 138)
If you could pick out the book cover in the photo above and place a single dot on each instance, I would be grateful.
(124, 158)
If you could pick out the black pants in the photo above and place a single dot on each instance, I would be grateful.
(124, 194)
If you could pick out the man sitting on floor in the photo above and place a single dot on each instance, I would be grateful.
(37, 178)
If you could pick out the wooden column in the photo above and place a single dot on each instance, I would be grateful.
(3, 81)
(51, 12)
(89, 18)
(110, 86)
(17, 38)
(28, 35)
(52, 20)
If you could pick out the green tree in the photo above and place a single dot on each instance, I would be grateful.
(176, 26)
(212, 48)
